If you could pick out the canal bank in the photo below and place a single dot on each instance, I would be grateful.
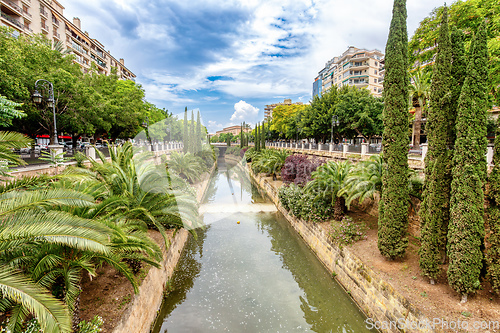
(380, 301)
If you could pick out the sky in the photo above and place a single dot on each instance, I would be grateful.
(230, 58)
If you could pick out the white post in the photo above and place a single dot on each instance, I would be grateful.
(345, 147)
(90, 151)
(364, 149)
(489, 155)
(330, 147)
(424, 147)
(320, 145)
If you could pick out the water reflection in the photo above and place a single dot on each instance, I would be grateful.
(256, 276)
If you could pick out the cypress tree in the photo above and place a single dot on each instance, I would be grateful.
(393, 208)
(191, 134)
(466, 228)
(257, 138)
(459, 72)
(263, 136)
(241, 135)
(493, 253)
(245, 143)
(185, 137)
(198, 133)
(435, 211)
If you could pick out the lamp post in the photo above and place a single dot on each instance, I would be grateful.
(145, 124)
(38, 99)
(335, 121)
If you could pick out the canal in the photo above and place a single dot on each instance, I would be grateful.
(253, 276)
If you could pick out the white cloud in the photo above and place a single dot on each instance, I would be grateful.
(213, 126)
(244, 112)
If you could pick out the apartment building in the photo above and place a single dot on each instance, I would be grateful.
(268, 110)
(46, 17)
(355, 67)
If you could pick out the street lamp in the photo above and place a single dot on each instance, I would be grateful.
(335, 121)
(38, 99)
(145, 124)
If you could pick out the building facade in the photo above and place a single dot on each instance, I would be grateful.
(355, 67)
(235, 130)
(46, 17)
(268, 110)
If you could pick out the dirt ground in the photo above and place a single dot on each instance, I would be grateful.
(109, 293)
(435, 301)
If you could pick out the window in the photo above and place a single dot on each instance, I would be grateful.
(375, 80)
(376, 63)
(375, 71)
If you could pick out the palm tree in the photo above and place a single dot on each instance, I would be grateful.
(186, 165)
(9, 141)
(277, 160)
(327, 183)
(419, 90)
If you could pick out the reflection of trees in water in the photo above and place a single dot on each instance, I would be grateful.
(186, 272)
(211, 189)
(326, 307)
(241, 175)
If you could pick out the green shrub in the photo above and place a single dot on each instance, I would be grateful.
(290, 196)
(314, 208)
(347, 231)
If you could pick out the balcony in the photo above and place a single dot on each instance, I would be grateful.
(27, 15)
(56, 35)
(43, 13)
(45, 28)
(27, 2)
(55, 21)
(13, 7)
(77, 48)
(360, 66)
(12, 20)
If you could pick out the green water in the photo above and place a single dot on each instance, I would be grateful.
(256, 276)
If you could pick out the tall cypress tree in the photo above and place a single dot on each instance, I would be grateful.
(493, 253)
(245, 143)
(257, 138)
(185, 136)
(435, 211)
(198, 133)
(458, 71)
(263, 136)
(241, 136)
(393, 208)
(191, 134)
(466, 228)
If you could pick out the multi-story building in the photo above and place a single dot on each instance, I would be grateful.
(46, 17)
(234, 129)
(268, 110)
(355, 67)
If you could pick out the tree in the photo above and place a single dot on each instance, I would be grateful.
(198, 133)
(359, 113)
(435, 212)
(467, 16)
(185, 133)
(316, 119)
(458, 72)
(393, 208)
(466, 228)
(191, 139)
(263, 136)
(257, 137)
(282, 120)
(419, 91)
(493, 252)
(8, 111)
(241, 136)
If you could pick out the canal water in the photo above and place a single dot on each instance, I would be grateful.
(255, 276)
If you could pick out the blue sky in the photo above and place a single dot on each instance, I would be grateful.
(230, 58)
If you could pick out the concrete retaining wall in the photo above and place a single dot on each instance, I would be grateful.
(377, 298)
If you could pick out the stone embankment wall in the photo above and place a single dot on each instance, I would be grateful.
(142, 311)
(377, 298)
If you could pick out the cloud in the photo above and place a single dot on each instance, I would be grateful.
(244, 112)
(213, 126)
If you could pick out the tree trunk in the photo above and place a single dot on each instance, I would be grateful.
(417, 125)
(339, 209)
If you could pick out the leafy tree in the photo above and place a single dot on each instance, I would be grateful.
(8, 111)
(316, 119)
(466, 228)
(467, 16)
(393, 208)
(283, 119)
(435, 212)
(359, 113)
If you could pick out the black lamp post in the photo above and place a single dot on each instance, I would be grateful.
(145, 124)
(335, 122)
(38, 99)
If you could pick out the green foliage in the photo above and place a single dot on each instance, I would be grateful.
(187, 166)
(327, 183)
(284, 119)
(419, 91)
(435, 212)
(347, 231)
(467, 17)
(364, 180)
(9, 141)
(393, 207)
(93, 326)
(8, 111)
(466, 228)
(290, 196)
(53, 158)
(185, 132)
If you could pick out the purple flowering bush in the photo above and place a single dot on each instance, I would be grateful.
(347, 231)
(298, 168)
